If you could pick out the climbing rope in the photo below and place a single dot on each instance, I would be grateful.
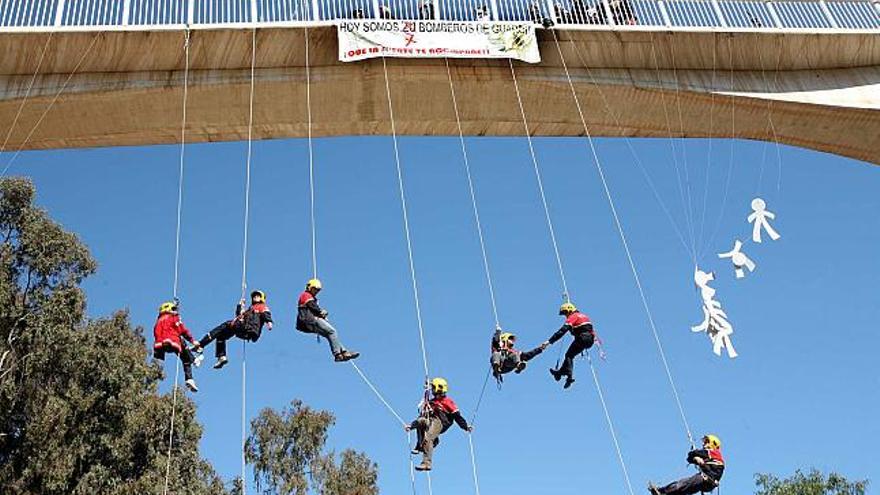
(707, 246)
(624, 241)
(244, 251)
(311, 160)
(186, 47)
(610, 425)
(27, 93)
(540, 182)
(635, 155)
(537, 173)
(51, 104)
(710, 141)
(476, 210)
(403, 204)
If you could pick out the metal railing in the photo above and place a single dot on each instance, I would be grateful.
(686, 15)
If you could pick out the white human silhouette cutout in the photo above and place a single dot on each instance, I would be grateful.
(715, 322)
(741, 262)
(759, 218)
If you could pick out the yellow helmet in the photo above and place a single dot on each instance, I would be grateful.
(567, 308)
(313, 284)
(507, 337)
(168, 307)
(712, 442)
(258, 296)
(439, 386)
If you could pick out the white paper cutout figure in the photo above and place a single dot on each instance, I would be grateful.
(715, 322)
(759, 217)
(741, 262)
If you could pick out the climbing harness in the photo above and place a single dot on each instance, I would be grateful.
(180, 174)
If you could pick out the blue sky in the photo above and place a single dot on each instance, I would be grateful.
(803, 392)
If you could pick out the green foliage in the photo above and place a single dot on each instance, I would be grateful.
(812, 483)
(79, 408)
(286, 448)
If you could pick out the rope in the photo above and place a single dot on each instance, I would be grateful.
(623, 239)
(378, 394)
(467, 168)
(27, 93)
(474, 463)
(633, 152)
(708, 245)
(610, 425)
(244, 251)
(186, 47)
(409, 249)
(540, 182)
(311, 161)
(51, 104)
(711, 140)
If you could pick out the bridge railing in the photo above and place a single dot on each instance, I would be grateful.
(687, 15)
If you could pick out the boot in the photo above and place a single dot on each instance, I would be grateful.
(520, 367)
(191, 385)
(423, 467)
(556, 374)
(568, 382)
(346, 356)
(221, 362)
(653, 489)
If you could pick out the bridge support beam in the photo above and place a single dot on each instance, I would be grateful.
(129, 92)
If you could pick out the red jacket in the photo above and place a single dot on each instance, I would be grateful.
(169, 329)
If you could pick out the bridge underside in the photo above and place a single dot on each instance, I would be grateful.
(819, 91)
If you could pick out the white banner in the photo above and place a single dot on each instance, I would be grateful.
(363, 39)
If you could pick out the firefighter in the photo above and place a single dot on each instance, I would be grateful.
(311, 318)
(247, 325)
(581, 328)
(708, 460)
(169, 333)
(436, 416)
(506, 357)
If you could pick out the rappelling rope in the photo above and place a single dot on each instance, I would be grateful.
(610, 425)
(620, 231)
(186, 47)
(311, 161)
(27, 93)
(470, 181)
(708, 245)
(711, 140)
(49, 107)
(409, 249)
(244, 251)
(636, 158)
(540, 182)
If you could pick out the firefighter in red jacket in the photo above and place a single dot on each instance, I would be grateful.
(708, 460)
(169, 333)
(581, 328)
(436, 416)
(311, 318)
(247, 325)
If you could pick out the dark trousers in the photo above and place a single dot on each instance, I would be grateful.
(186, 357)
(689, 486)
(223, 332)
(582, 342)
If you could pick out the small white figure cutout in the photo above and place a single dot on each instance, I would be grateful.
(759, 218)
(715, 322)
(741, 262)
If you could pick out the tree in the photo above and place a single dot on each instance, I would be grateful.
(79, 408)
(286, 451)
(812, 483)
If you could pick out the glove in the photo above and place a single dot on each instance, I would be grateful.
(324, 313)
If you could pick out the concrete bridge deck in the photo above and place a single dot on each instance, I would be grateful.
(822, 90)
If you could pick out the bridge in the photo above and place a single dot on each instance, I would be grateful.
(81, 73)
